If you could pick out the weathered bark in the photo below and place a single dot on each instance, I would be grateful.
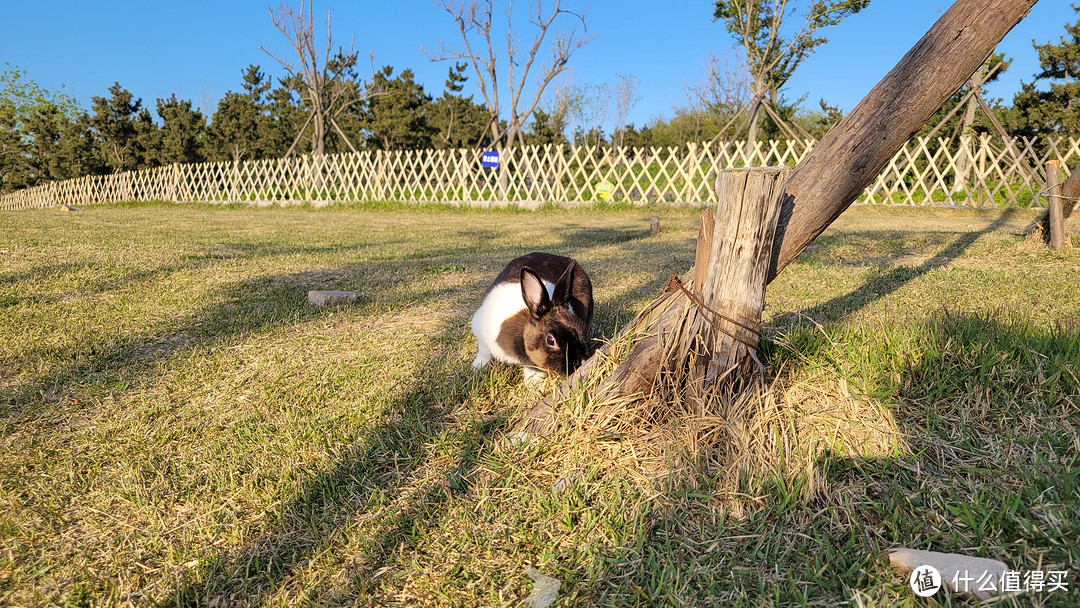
(739, 260)
(854, 152)
(716, 339)
(1055, 212)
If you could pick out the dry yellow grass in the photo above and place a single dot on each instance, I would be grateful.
(178, 427)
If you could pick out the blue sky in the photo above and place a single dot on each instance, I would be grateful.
(197, 49)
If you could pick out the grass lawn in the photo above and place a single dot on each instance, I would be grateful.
(179, 428)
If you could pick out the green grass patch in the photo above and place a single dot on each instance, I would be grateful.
(179, 427)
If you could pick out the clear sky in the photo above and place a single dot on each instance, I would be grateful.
(197, 49)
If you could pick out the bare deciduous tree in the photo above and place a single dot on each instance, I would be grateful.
(327, 82)
(625, 98)
(756, 25)
(724, 92)
(597, 104)
(475, 24)
(566, 104)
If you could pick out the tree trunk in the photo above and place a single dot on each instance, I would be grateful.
(1055, 212)
(1070, 191)
(498, 141)
(738, 263)
(699, 344)
(717, 339)
(752, 123)
(962, 177)
(855, 151)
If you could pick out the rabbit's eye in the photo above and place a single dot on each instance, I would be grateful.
(551, 342)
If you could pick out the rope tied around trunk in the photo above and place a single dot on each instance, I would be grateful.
(754, 327)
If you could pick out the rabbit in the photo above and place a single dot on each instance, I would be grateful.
(536, 314)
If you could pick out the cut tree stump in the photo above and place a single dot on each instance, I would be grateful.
(705, 328)
(717, 338)
(734, 285)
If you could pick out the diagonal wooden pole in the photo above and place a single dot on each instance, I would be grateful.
(850, 156)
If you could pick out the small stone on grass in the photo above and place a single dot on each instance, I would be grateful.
(322, 299)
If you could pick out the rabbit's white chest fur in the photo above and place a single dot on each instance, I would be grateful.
(501, 303)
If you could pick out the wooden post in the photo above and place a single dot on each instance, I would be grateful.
(717, 339)
(1055, 205)
(234, 182)
(738, 264)
(689, 192)
(504, 173)
(561, 173)
(1070, 191)
(465, 176)
(380, 174)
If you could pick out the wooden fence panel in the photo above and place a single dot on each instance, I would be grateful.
(974, 171)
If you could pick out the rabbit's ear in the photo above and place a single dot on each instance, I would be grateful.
(564, 286)
(534, 293)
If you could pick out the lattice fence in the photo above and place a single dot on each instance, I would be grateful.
(976, 172)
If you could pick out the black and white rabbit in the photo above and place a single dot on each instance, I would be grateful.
(536, 314)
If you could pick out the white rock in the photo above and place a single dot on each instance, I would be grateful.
(322, 299)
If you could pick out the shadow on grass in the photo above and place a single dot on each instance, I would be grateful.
(247, 307)
(127, 276)
(387, 473)
(41, 272)
(380, 466)
(608, 236)
(992, 413)
(881, 285)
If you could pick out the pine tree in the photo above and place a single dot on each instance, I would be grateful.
(395, 119)
(242, 126)
(33, 125)
(1054, 110)
(182, 132)
(77, 152)
(44, 129)
(545, 129)
(458, 121)
(60, 147)
(257, 88)
(286, 118)
(234, 130)
(113, 122)
(148, 140)
(14, 153)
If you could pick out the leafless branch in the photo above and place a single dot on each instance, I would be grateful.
(475, 27)
(324, 86)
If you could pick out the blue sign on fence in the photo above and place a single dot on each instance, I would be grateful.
(489, 159)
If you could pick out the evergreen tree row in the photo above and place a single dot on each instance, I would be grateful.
(46, 136)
